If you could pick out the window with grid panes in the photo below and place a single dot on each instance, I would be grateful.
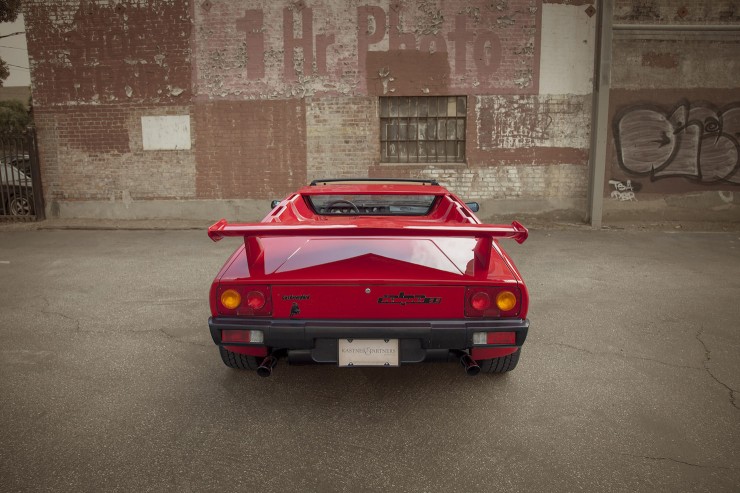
(424, 129)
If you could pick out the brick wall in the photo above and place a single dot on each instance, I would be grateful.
(676, 11)
(87, 52)
(97, 68)
(342, 136)
(250, 149)
(96, 153)
(279, 94)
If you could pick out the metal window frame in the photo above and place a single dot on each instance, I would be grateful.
(432, 147)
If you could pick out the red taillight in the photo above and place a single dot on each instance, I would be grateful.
(235, 336)
(501, 338)
(480, 301)
(255, 300)
(245, 336)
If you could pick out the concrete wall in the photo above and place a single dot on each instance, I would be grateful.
(279, 93)
(675, 111)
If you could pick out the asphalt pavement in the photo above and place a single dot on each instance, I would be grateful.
(629, 380)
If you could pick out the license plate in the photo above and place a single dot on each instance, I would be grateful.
(368, 352)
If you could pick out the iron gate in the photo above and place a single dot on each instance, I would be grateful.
(20, 180)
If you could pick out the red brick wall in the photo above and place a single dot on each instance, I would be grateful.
(96, 153)
(343, 136)
(250, 149)
(126, 52)
(296, 49)
(279, 94)
(97, 68)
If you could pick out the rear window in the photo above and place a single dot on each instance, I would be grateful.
(378, 205)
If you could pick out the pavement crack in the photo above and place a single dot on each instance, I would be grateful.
(180, 301)
(707, 359)
(670, 459)
(170, 336)
(627, 356)
(575, 348)
(66, 317)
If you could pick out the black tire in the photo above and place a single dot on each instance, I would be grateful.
(238, 361)
(500, 365)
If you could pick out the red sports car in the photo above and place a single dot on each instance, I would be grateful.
(361, 273)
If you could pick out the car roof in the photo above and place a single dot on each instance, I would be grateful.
(373, 189)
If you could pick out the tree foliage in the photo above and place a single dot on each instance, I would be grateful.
(9, 10)
(14, 117)
(4, 71)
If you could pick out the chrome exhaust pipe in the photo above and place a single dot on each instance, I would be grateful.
(471, 367)
(265, 368)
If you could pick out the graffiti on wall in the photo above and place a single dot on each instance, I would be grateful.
(624, 191)
(694, 140)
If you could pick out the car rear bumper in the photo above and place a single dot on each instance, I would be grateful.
(418, 339)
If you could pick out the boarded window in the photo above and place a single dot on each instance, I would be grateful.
(427, 129)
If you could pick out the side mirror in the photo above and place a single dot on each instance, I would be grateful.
(473, 206)
(274, 204)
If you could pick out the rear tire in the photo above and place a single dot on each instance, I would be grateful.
(500, 365)
(238, 361)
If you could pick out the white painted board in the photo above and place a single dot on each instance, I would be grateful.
(165, 133)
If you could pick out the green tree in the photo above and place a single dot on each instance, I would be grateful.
(14, 117)
(9, 10)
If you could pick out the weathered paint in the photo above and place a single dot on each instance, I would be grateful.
(567, 63)
(161, 133)
(675, 11)
(516, 122)
(257, 51)
(96, 153)
(250, 149)
(654, 64)
(123, 53)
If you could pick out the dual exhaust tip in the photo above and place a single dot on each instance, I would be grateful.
(470, 366)
(265, 368)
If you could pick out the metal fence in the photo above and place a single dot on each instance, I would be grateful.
(20, 179)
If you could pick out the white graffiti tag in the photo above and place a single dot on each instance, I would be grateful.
(623, 191)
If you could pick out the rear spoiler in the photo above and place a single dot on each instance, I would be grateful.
(222, 229)
(484, 233)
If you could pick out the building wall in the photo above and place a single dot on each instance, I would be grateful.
(675, 108)
(97, 70)
(275, 94)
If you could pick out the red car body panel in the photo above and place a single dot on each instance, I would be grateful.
(367, 267)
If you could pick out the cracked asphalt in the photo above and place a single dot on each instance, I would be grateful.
(629, 380)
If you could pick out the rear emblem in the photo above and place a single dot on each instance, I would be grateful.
(296, 297)
(404, 299)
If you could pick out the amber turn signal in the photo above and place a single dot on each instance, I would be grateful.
(231, 299)
(505, 301)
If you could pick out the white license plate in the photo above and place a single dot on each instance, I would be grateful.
(368, 352)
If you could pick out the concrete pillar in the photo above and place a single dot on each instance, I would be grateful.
(599, 117)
